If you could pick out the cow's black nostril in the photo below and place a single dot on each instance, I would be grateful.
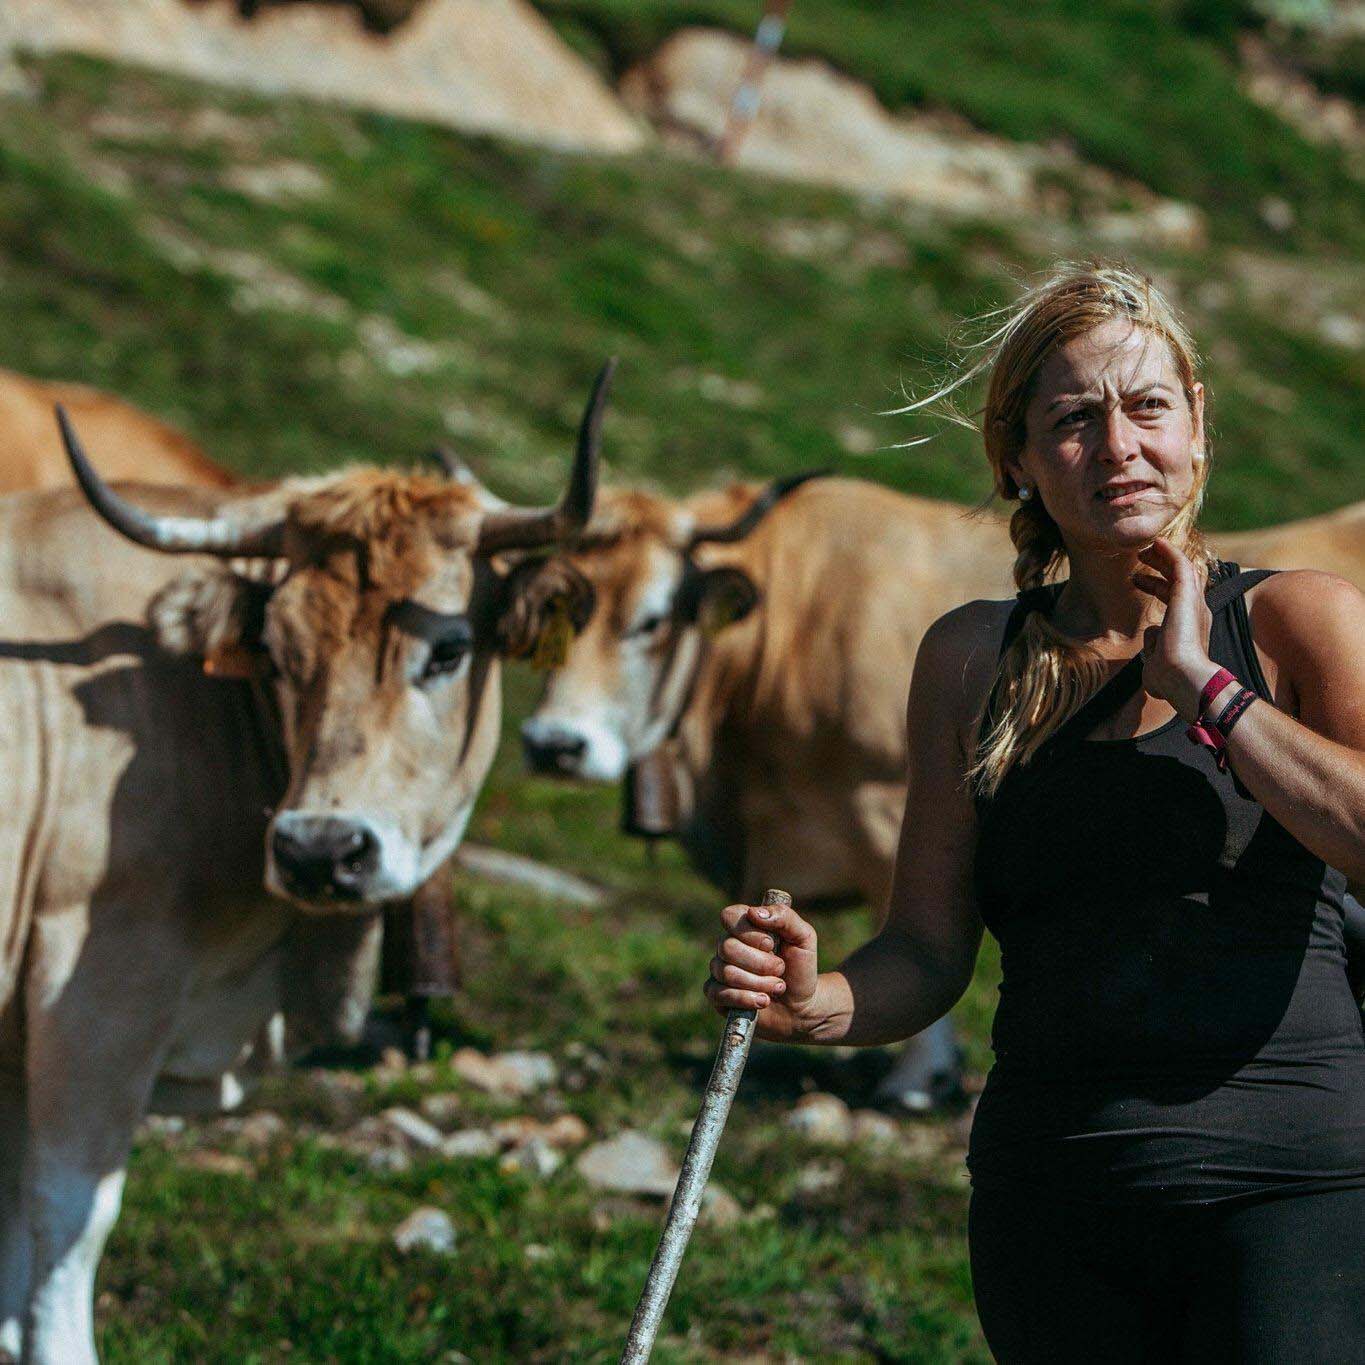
(555, 754)
(324, 856)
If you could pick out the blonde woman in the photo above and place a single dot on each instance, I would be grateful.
(1168, 1160)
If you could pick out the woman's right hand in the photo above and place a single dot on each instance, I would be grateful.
(747, 974)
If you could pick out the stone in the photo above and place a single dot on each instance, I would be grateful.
(629, 1163)
(412, 1128)
(819, 1176)
(470, 1142)
(568, 1130)
(515, 1132)
(426, 1229)
(719, 1208)
(507, 1073)
(261, 1128)
(443, 1108)
(822, 1119)
(219, 1163)
(875, 1129)
(535, 1158)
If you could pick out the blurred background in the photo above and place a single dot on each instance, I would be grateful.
(313, 233)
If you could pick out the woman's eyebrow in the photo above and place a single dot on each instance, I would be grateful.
(1089, 396)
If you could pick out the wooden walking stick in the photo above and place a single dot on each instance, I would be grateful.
(701, 1152)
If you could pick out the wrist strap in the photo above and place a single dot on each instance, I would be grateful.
(1212, 688)
(1234, 711)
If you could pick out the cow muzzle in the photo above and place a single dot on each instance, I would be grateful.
(325, 858)
(584, 749)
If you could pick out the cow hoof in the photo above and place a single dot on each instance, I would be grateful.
(943, 1095)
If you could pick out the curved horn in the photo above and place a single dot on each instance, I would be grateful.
(226, 536)
(756, 511)
(520, 528)
(457, 471)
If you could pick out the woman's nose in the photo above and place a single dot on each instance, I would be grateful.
(1120, 442)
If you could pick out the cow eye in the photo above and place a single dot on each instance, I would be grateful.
(649, 624)
(447, 654)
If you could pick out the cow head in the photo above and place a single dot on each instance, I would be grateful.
(375, 607)
(629, 673)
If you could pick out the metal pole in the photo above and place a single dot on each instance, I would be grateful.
(701, 1152)
(746, 99)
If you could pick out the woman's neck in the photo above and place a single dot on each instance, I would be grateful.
(1100, 600)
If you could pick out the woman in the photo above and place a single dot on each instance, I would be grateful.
(1168, 1160)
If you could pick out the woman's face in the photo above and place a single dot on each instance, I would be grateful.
(1112, 444)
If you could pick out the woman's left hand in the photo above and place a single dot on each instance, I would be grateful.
(1175, 654)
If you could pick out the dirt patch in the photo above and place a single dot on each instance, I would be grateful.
(1321, 118)
(485, 66)
(817, 125)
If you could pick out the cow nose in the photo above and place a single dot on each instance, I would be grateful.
(324, 855)
(553, 751)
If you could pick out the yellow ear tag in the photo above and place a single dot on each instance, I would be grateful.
(556, 635)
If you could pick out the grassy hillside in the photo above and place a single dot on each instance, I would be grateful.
(1148, 88)
(300, 286)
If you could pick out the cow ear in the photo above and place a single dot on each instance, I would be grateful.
(722, 597)
(215, 615)
(546, 602)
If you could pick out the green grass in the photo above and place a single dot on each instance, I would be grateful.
(436, 287)
(1148, 88)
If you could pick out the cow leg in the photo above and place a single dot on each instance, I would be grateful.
(421, 956)
(15, 1236)
(927, 1072)
(100, 1011)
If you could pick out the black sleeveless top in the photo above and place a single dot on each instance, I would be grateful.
(1174, 1022)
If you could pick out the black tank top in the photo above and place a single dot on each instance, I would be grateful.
(1174, 1022)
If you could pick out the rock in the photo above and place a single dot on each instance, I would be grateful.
(507, 1073)
(874, 1128)
(514, 870)
(536, 1253)
(219, 1163)
(822, 1119)
(536, 1158)
(426, 1229)
(470, 1142)
(719, 1208)
(485, 66)
(527, 1072)
(261, 1128)
(629, 1163)
(814, 123)
(568, 1130)
(413, 1129)
(819, 1176)
(516, 1131)
(339, 1093)
(162, 1125)
(444, 1107)
(393, 1060)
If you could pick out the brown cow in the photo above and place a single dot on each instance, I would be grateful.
(420, 954)
(784, 731)
(159, 820)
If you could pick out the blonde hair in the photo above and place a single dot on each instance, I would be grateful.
(1045, 676)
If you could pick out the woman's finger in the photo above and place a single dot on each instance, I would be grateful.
(750, 958)
(1156, 587)
(1151, 637)
(724, 998)
(739, 979)
(784, 922)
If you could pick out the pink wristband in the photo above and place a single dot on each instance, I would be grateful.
(1212, 688)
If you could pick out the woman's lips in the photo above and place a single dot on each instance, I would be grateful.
(1121, 495)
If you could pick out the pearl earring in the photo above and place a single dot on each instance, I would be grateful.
(1025, 492)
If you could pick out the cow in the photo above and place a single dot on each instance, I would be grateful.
(420, 949)
(169, 817)
(745, 669)
(763, 642)
(132, 444)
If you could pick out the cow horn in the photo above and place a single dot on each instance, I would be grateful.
(525, 528)
(754, 513)
(458, 471)
(231, 537)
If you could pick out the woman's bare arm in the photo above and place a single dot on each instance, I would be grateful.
(918, 966)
